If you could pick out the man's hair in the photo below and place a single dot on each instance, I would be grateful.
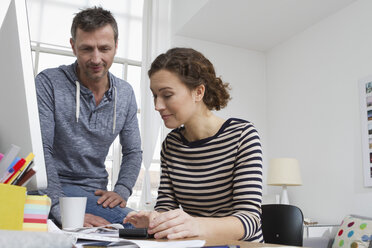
(93, 18)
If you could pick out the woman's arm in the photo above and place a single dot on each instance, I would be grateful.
(247, 182)
(227, 227)
(176, 224)
(166, 199)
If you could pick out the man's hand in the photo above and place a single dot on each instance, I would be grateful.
(91, 220)
(110, 199)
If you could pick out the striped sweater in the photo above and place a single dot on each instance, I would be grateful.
(217, 176)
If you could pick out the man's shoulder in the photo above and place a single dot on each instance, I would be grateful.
(56, 72)
(48, 71)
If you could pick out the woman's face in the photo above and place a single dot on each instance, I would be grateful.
(175, 102)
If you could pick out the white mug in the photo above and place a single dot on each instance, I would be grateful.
(72, 211)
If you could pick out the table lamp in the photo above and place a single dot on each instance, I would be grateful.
(284, 172)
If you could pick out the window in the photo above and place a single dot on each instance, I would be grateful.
(50, 22)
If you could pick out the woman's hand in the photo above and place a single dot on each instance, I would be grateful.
(140, 219)
(174, 224)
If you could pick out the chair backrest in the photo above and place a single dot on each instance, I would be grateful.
(282, 224)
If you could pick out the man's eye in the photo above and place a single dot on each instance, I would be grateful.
(167, 96)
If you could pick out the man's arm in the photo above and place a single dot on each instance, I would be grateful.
(45, 99)
(130, 141)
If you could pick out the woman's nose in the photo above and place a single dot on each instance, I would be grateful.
(159, 104)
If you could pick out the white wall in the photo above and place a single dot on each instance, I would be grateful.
(304, 101)
(3, 9)
(183, 11)
(245, 71)
(313, 112)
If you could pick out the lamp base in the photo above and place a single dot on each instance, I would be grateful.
(284, 196)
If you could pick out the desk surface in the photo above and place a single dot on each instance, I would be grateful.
(242, 244)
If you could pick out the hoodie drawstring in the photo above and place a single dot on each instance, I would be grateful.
(114, 122)
(77, 113)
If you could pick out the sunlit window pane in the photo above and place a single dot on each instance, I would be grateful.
(158, 148)
(110, 152)
(48, 60)
(108, 164)
(134, 78)
(137, 189)
(135, 28)
(50, 22)
(117, 69)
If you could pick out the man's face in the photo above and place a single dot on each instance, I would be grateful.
(95, 52)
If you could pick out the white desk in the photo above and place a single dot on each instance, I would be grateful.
(320, 230)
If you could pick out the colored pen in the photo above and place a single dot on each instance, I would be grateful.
(15, 161)
(22, 170)
(7, 174)
(16, 168)
(10, 169)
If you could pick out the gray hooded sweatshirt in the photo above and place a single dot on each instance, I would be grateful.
(77, 134)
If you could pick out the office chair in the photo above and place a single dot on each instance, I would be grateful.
(282, 224)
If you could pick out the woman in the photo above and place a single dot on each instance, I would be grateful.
(211, 178)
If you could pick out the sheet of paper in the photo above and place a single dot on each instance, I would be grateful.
(100, 229)
(114, 237)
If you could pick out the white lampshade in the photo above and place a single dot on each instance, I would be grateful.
(284, 172)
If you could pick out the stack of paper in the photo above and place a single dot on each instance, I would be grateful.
(89, 235)
(36, 213)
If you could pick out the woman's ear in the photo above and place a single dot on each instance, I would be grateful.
(199, 93)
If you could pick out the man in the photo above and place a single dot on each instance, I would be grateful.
(83, 108)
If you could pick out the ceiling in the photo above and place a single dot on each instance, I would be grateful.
(255, 24)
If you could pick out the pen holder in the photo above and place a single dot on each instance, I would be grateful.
(12, 202)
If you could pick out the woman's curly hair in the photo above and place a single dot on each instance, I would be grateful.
(194, 69)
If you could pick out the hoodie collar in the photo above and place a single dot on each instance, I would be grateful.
(111, 94)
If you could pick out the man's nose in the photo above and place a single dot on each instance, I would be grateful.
(96, 56)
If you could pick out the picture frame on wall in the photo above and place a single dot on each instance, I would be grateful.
(365, 95)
